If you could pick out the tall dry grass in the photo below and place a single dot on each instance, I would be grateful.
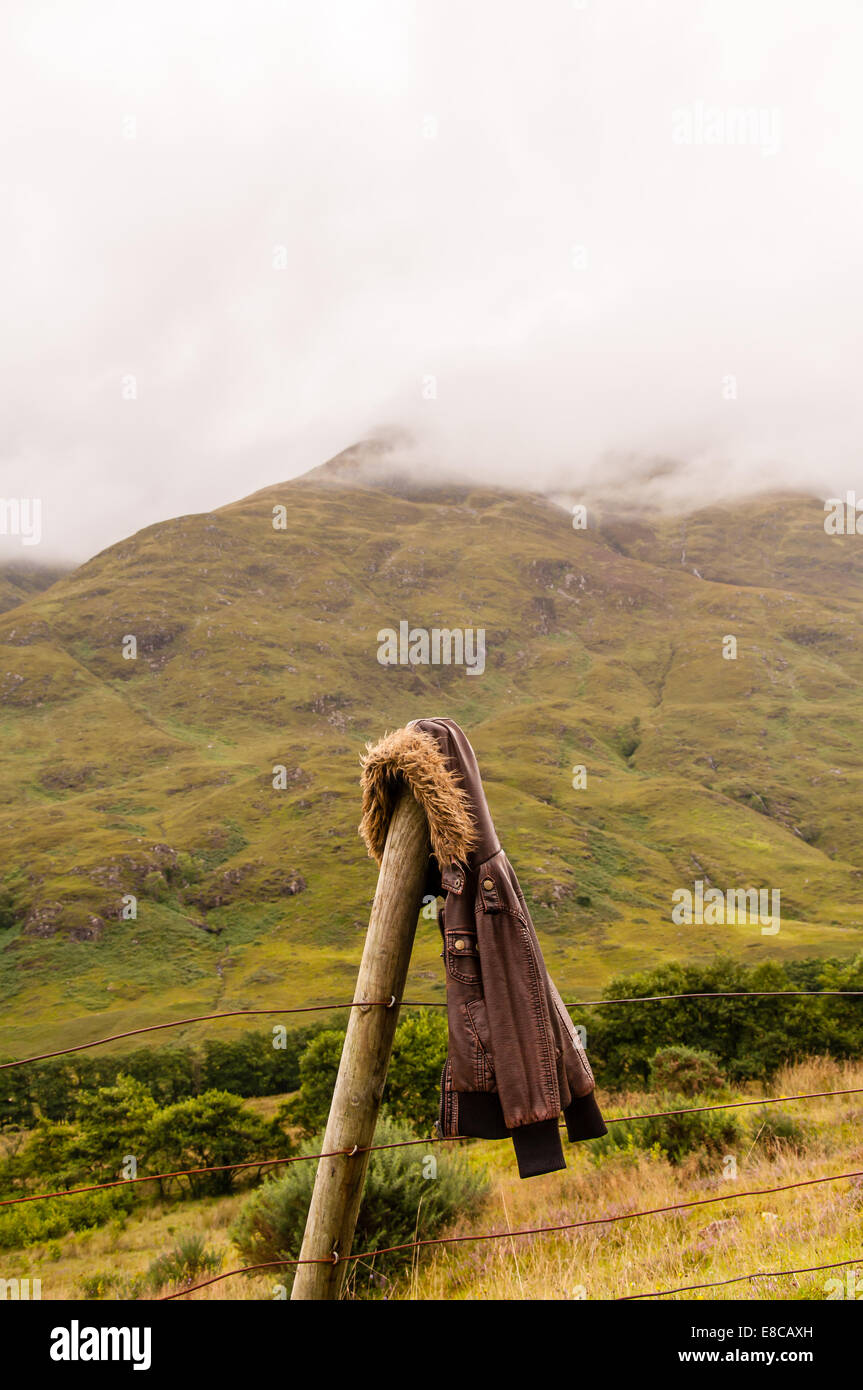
(729, 1236)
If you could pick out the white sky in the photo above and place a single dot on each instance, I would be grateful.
(305, 125)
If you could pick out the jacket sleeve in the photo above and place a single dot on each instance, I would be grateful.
(520, 1031)
(538, 1149)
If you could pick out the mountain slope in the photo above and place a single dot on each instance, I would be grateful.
(257, 647)
(20, 579)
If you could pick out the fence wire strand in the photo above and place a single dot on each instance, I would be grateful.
(401, 1144)
(417, 1004)
(446, 1240)
(739, 1279)
(525, 1231)
(198, 1018)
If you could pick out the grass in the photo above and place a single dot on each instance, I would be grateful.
(801, 1227)
(258, 648)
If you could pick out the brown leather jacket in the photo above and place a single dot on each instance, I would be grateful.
(515, 1060)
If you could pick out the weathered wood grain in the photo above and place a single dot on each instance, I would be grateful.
(363, 1068)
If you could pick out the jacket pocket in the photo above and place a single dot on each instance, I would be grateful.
(462, 956)
(477, 1021)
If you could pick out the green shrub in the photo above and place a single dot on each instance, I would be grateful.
(750, 1037)
(414, 1077)
(214, 1129)
(11, 910)
(155, 886)
(113, 1122)
(187, 870)
(412, 1092)
(249, 1065)
(319, 1067)
(709, 1133)
(114, 1286)
(401, 1202)
(50, 1156)
(92, 1286)
(185, 1264)
(775, 1130)
(687, 1070)
(34, 1222)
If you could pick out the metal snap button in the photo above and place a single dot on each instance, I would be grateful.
(459, 945)
(488, 883)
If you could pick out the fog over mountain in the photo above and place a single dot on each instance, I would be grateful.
(591, 244)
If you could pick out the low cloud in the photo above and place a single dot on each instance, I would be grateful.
(592, 246)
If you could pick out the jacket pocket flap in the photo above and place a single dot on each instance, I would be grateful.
(461, 943)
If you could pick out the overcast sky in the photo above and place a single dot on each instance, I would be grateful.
(237, 237)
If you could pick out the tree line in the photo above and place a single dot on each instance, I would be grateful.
(750, 1038)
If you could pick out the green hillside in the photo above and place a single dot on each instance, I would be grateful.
(20, 579)
(257, 647)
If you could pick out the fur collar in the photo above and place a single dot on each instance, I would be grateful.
(413, 757)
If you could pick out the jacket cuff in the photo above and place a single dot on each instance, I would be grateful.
(538, 1148)
(583, 1118)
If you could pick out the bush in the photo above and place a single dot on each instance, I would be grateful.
(250, 1065)
(319, 1067)
(213, 1130)
(686, 1070)
(414, 1078)
(776, 1130)
(32, 1223)
(114, 1122)
(710, 1133)
(155, 886)
(11, 909)
(401, 1202)
(750, 1037)
(50, 1155)
(106, 1284)
(185, 1264)
(412, 1092)
(117, 1122)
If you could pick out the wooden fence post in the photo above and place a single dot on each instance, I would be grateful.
(363, 1068)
